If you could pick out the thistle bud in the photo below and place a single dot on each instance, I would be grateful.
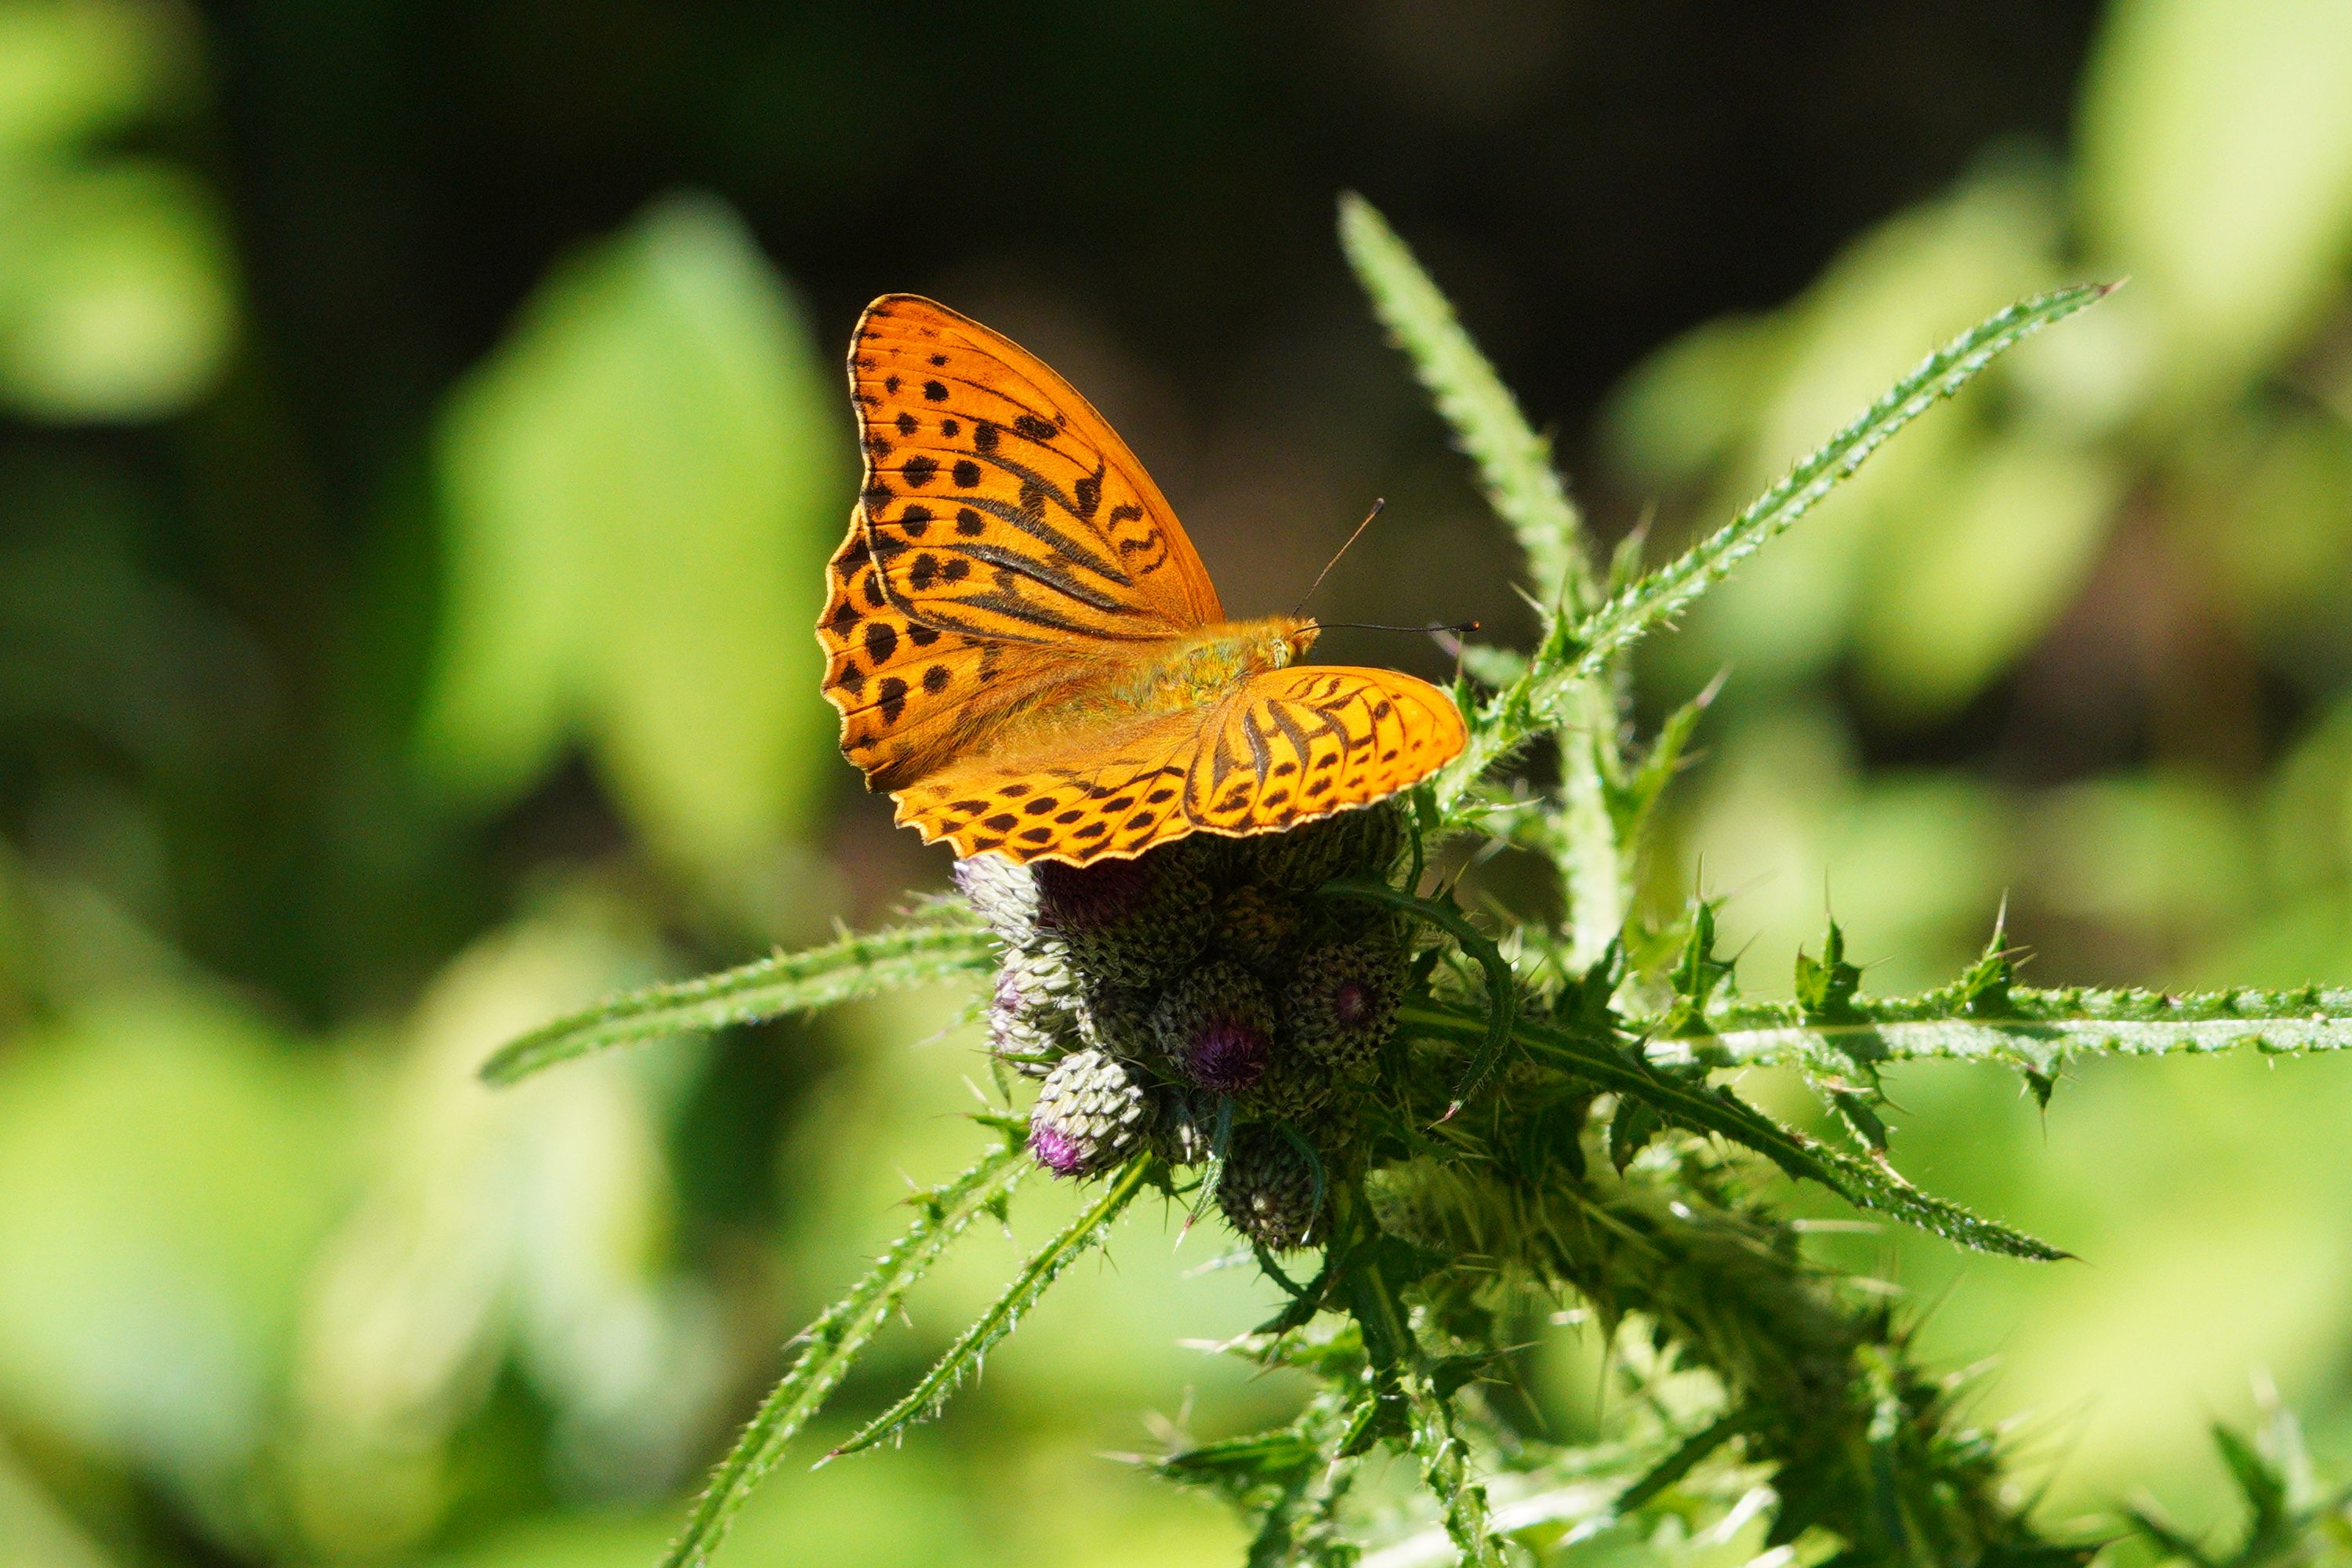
(1090, 1112)
(1183, 1126)
(1293, 1087)
(1118, 1019)
(1128, 922)
(1034, 1013)
(1216, 1027)
(1003, 894)
(1341, 1003)
(1362, 842)
(1271, 1192)
(1258, 926)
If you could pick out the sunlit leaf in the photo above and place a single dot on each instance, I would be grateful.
(165, 1166)
(117, 295)
(74, 69)
(1980, 572)
(2217, 152)
(533, 1225)
(640, 488)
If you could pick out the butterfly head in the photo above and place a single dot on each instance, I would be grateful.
(1288, 639)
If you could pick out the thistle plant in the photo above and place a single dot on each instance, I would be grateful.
(1431, 1126)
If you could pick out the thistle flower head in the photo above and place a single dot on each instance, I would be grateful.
(1341, 1003)
(1129, 922)
(1002, 894)
(1090, 1112)
(1034, 1010)
(1118, 1019)
(1216, 1027)
(1272, 1192)
(1183, 1126)
(1362, 842)
(1294, 1085)
(1258, 925)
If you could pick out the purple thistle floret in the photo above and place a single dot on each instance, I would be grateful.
(1089, 1113)
(1054, 1150)
(1087, 897)
(1226, 1055)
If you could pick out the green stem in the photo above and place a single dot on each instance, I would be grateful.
(1502, 989)
(2032, 1030)
(834, 1341)
(924, 1399)
(1701, 1109)
(844, 970)
(1592, 861)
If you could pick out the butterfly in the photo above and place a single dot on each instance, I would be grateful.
(1027, 651)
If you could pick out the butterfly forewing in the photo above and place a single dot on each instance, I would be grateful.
(909, 693)
(997, 502)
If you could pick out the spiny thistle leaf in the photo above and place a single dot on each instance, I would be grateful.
(2290, 1518)
(1429, 1417)
(1666, 592)
(844, 970)
(1446, 1470)
(1576, 651)
(1639, 795)
(1698, 973)
(1687, 1458)
(1516, 474)
(2037, 1032)
(1291, 1479)
(924, 1400)
(1826, 987)
(1515, 466)
(834, 1341)
(1704, 1108)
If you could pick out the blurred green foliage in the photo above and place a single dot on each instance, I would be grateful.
(117, 292)
(340, 524)
(2108, 576)
(634, 487)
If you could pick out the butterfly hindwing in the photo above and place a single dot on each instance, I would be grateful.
(1292, 745)
(1106, 791)
(997, 502)
(1299, 743)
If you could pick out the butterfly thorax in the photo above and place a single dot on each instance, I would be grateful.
(1205, 669)
(1167, 675)
(1200, 671)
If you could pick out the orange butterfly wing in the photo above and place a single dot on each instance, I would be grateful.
(1008, 551)
(909, 695)
(1299, 743)
(998, 502)
(1005, 539)
(1289, 746)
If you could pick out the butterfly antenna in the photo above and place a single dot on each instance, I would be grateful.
(1377, 504)
(1457, 627)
